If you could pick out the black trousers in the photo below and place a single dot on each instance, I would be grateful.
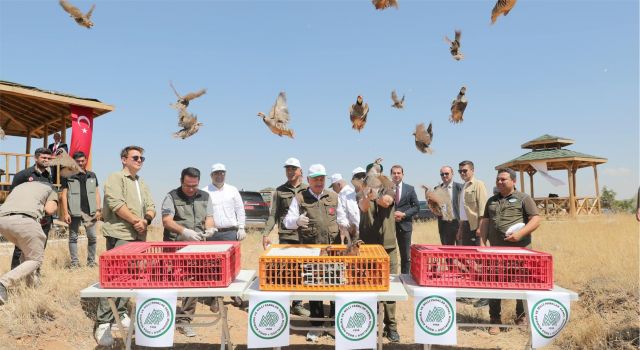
(404, 247)
(495, 308)
(469, 236)
(448, 231)
(317, 310)
(17, 253)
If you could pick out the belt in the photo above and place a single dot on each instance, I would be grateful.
(22, 214)
(225, 229)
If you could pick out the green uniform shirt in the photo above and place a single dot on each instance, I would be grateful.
(121, 189)
(280, 203)
(29, 198)
(505, 212)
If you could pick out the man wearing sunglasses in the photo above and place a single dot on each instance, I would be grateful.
(128, 210)
(449, 221)
(471, 205)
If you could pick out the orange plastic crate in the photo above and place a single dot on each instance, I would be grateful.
(369, 271)
(481, 267)
(159, 265)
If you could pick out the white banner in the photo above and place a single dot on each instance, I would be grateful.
(541, 167)
(155, 317)
(356, 321)
(548, 314)
(435, 316)
(268, 320)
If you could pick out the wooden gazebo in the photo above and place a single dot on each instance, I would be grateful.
(30, 112)
(550, 150)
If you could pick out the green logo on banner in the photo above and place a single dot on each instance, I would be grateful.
(435, 315)
(548, 317)
(355, 321)
(154, 317)
(268, 319)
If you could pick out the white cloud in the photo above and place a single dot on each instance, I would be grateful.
(617, 172)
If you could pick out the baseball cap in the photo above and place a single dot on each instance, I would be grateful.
(218, 167)
(292, 162)
(334, 178)
(358, 170)
(316, 170)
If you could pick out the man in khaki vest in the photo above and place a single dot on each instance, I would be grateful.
(80, 200)
(282, 198)
(313, 214)
(20, 224)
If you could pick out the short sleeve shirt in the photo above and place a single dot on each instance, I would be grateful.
(505, 212)
(168, 208)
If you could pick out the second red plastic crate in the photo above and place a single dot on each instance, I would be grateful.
(481, 267)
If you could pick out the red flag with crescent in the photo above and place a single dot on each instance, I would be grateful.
(81, 130)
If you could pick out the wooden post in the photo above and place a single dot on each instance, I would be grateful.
(28, 149)
(595, 176)
(531, 183)
(63, 129)
(572, 196)
(522, 182)
(45, 139)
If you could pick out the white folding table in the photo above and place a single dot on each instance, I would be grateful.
(235, 289)
(411, 287)
(396, 292)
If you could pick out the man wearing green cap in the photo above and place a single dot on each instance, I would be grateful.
(378, 226)
(313, 213)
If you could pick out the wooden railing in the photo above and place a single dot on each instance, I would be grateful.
(559, 206)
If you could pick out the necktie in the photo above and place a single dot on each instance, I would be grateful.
(55, 147)
(397, 194)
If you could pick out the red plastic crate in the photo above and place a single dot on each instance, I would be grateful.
(481, 267)
(159, 265)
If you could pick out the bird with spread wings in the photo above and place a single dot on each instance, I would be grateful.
(458, 106)
(397, 103)
(423, 138)
(454, 47)
(502, 7)
(278, 119)
(75, 13)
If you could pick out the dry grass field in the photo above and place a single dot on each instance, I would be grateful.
(597, 257)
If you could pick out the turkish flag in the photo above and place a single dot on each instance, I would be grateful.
(81, 130)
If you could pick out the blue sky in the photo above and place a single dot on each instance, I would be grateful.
(566, 68)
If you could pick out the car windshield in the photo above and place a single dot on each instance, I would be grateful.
(251, 197)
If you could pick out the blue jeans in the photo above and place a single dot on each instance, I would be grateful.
(73, 240)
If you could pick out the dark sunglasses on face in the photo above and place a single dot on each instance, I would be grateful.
(443, 174)
(462, 171)
(138, 158)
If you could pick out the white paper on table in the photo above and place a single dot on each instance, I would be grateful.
(155, 317)
(294, 251)
(434, 312)
(548, 315)
(268, 320)
(205, 248)
(356, 320)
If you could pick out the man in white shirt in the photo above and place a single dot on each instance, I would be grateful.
(348, 211)
(228, 213)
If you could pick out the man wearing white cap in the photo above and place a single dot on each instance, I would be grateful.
(348, 211)
(313, 214)
(280, 202)
(228, 211)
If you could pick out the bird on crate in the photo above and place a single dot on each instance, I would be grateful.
(278, 119)
(502, 7)
(188, 122)
(75, 13)
(454, 47)
(358, 114)
(183, 101)
(397, 103)
(353, 248)
(423, 138)
(458, 106)
(383, 4)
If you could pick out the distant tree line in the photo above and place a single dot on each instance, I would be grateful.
(608, 201)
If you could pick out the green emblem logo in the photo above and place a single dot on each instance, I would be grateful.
(268, 319)
(435, 315)
(355, 321)
(154, 317)
(548, 317)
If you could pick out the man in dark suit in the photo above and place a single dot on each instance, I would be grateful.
(407, 206)
(448, 222)
(57, 144)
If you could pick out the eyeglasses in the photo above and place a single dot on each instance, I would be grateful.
(444, 174)
(138, 158)
(463, 171)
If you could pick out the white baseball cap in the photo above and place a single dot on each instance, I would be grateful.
(316, 170)
(358, 170)
(334, 178)
(218, 167)
(292, 162)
